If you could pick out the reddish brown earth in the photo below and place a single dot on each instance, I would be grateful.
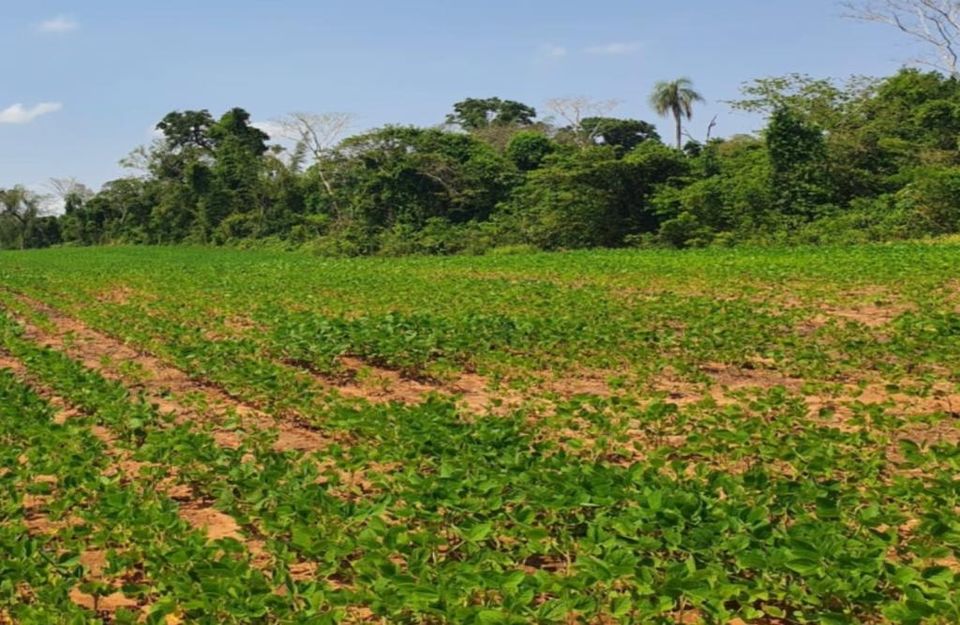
(163, 382)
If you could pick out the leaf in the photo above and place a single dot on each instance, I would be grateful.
(478, 532)
(491, 617)
(655, 500)
(803, 566)
(511, 583)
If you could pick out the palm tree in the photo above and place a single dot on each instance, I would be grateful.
(676, 97)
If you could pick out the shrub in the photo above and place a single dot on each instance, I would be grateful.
(528, 149)
(685, 230)
(933, 200)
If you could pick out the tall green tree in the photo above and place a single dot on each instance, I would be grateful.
(624, 134)
(19, 217)
(184, 129)
(797, 153)
(871, 158)
(478, 113)
(408, 175)
(675, 97)
(591, 197)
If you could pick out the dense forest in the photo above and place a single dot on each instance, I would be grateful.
(865, 159)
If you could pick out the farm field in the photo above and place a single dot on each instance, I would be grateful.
(718, 436)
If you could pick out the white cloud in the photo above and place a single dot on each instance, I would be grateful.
(58, 24)
(19, 114)
(551, 51)
(614, 49)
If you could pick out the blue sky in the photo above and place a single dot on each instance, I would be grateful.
(103, 72)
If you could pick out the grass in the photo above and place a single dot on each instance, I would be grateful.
(716, 436)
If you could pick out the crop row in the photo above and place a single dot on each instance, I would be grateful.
(513, 330)
(757, 511)
(76, 537)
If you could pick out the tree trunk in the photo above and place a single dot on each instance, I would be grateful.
(679, 133)
(327, 186)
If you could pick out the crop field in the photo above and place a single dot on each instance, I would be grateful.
(718, 437)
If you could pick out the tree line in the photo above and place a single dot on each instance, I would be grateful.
(865, 159)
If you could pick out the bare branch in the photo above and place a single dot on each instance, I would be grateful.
(318, 133)
(574, 110)
(63, 188)
(935, 23)
(710, 127)
(140, 158)
(713, 124)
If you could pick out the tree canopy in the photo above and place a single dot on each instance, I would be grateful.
(477, 113)
(864, 159)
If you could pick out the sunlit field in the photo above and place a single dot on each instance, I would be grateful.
(718, 436)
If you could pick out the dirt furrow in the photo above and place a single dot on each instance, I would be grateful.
(361, 379)
(121, 462)
(194, 511)
(162, 384)
(378, 384)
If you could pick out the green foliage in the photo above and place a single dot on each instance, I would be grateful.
(832, 155)
(820, 102)
(685, 230)
(675, 97)
(478, 113)
(399, 175)
(933, 200)
(436, 236)
(624, 134)
(797, 154)
(591, 197)
(187, 129)
(762, 483)
(528, 149)
(21, 223)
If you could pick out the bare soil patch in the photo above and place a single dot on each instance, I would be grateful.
(876, 315)
(749, 376)
(724, 380)
(212, 522)
(942, 399)
(119, 295)
(108, 604)
(303, 571)
(94, 561)
(585, 382)
(378, 384)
